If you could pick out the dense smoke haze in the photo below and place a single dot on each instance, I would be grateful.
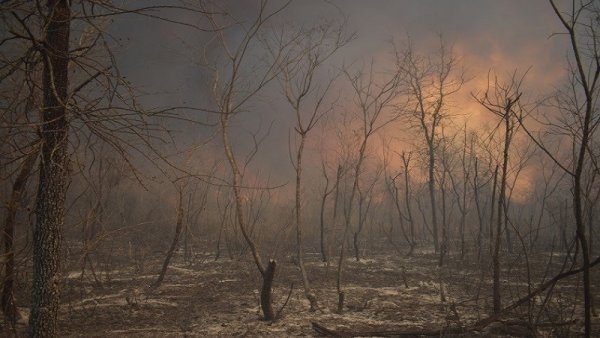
(165, 60)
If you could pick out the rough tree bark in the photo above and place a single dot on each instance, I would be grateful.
(298, 71)
(54, 173)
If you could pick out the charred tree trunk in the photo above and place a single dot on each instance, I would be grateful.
(8, 303)
(178, 228)
(53, 179)
(266, 302)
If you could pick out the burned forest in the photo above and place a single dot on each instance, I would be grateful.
(273, 168)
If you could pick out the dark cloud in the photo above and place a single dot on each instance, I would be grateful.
(503, 35)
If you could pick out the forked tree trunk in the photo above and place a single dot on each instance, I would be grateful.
(8, 303)
(53, 179)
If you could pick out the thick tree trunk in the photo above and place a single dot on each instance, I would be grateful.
(8, 304)
(54, 173)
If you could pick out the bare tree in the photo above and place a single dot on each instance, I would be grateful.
(53, 180)
(431, 82)
(578, 119)
(80, 92)
(231, 92)
(502, 100)
(401, 205)
(447, 160)
(299, 73)
(373, 101)
(460, 189)
(406, 157)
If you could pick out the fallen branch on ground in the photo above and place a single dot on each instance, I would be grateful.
(477, 326)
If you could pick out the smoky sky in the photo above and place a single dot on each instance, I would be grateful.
(163, 59)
